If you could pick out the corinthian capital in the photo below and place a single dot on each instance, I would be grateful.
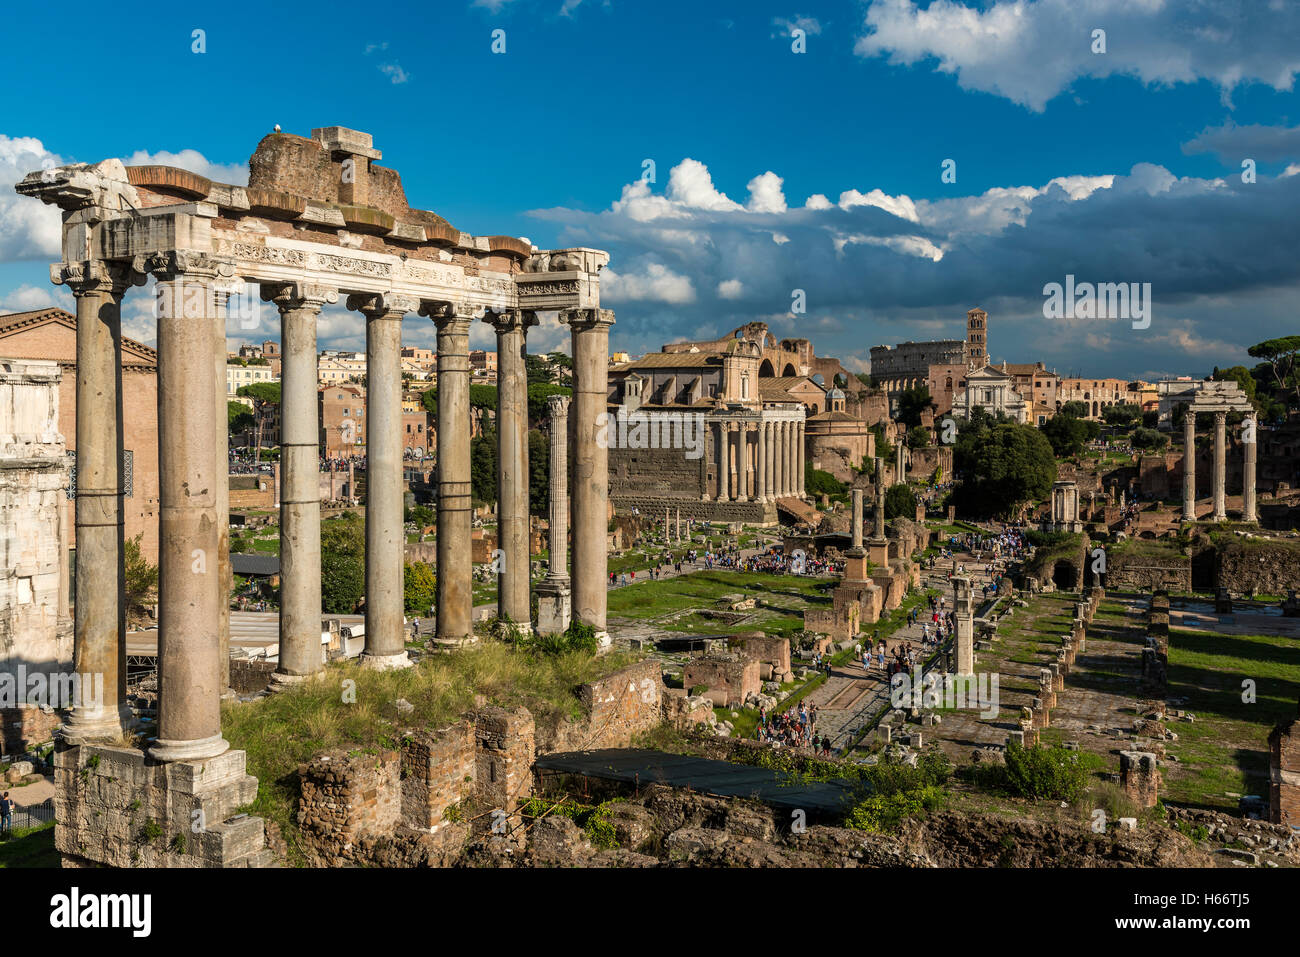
(586, 318)
(95, 277)
(557, 407)
(510, 320)
(290, 296)
(382, 305)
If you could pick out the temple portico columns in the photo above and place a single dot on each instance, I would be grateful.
(99, 645)
(513, 600)
(800, 459)
(1189, 466)
(778, 463)
(751, 460)
(1249, 441)
(385, 530)
(300, 563)
(590, 329)
(761, 452)
(792, 458)
(455, 571)
(724, 460)
(190, 590)
(738, 474)
(770, 429)
(1220, 465)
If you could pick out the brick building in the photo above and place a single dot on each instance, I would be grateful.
(342, 420)
(52, 334)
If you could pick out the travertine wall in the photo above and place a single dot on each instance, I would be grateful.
(729, 679)
(35, 522)
(618, 707)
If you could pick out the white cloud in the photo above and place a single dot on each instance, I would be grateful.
(26, 298)
(656, 283)
(1029, 51)
(787, 25)
(28, 228)
(194, 161)
(730, 289)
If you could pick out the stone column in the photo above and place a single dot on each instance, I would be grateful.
(964, 640)
(751, 460)
(762, 462)
(455, 504)
(1220, 464)
(591, 463)
(99, 644)
(737, 443)
(385, 529)
(512, 464)
(221, 450)
(878, 530)
(724, 464)
(792, 458)
(1189, 466)
(771, 461)
(554, 606)
(800, 466)
(1249, 439)
(189, 586)
(857, 518)
(300, 572)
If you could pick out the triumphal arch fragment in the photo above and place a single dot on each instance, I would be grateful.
(319, 223)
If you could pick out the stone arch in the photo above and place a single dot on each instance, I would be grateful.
(789, 370)
(1066, 575)
(766, 370)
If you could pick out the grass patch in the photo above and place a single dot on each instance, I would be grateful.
(30, 847)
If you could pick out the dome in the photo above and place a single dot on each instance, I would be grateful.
(835, 394)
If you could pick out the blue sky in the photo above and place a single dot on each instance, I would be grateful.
(774, 170)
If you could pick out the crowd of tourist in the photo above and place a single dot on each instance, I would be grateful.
(793, 729)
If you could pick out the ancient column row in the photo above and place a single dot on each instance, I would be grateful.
(1218, 477)
(768, 468)
(194, 579)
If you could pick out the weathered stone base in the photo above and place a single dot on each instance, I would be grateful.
(118, 807)
(554, 607)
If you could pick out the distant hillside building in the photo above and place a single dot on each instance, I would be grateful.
(907, 365)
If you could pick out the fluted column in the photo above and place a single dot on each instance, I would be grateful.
(792, 458)
(1249, 439)
(770, 430)
(1220, 464)
(385, 529)
(1189, 466)
(455, 504)
(300, 564)
(99, 626)
(800, 459)
(189, 586)
(512, 464)
(761, 453)
(736, 442)
(724, 465)
(557, 566)
(590, 328)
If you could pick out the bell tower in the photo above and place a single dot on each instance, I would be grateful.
(977, 345)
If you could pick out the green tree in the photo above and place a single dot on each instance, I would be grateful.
(918, 437)
(539, 472)
(419, 586)
(141, 580)
(1066, 434)
(483, 466)
(1121, 413)
(538, 393)
(816, 482)
(1282, 355)
(884, 446)
(342, 563)
(1075, 409)
(912, 402)
(265, 396)
(238, 418)
(1144, 438)
(900, 502)
(1003, 468)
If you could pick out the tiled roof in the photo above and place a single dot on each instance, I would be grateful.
(674, 360)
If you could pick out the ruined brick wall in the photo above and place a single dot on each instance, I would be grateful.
(438, 769)
(617, 708)
(772, 653)
(505, 743)
(1148, 567)
(250, 676)
(655, 473)
(23, 728)
(730, 679)
(1258, 567)
(345, 797)
(1284, 774)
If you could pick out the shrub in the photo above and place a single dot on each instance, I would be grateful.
(883, 812)
(1040, 772)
